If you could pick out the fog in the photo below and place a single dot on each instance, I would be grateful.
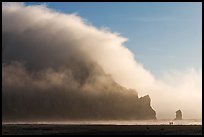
(50, 56)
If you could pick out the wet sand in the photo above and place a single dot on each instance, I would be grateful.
(49, 129)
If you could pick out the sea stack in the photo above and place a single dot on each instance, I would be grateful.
(178, 115)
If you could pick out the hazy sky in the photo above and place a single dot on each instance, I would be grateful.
(163, 36)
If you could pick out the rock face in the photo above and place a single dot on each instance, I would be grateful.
(104, 107)
(96, 97)
(79, 90)
(178, 115)
(116, 103)
(146, 109)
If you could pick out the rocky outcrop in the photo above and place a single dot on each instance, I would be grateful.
(178, 115)
(90, 95)
(146, 109)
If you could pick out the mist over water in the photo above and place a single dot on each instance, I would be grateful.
(51, 57)
(118, 122)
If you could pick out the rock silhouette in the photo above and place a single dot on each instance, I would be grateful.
(91, 99)
(178, 115)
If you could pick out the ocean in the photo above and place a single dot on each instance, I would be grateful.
(118, 122)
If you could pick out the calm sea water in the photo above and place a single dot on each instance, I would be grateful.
(116, 122)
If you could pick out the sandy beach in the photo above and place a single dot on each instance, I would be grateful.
(53, 129)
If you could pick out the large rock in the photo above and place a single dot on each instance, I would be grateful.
(178, 115)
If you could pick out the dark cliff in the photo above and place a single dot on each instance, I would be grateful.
(80, 90)
(106, 101)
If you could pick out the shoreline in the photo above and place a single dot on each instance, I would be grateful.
(113, 122)
(55, 129)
